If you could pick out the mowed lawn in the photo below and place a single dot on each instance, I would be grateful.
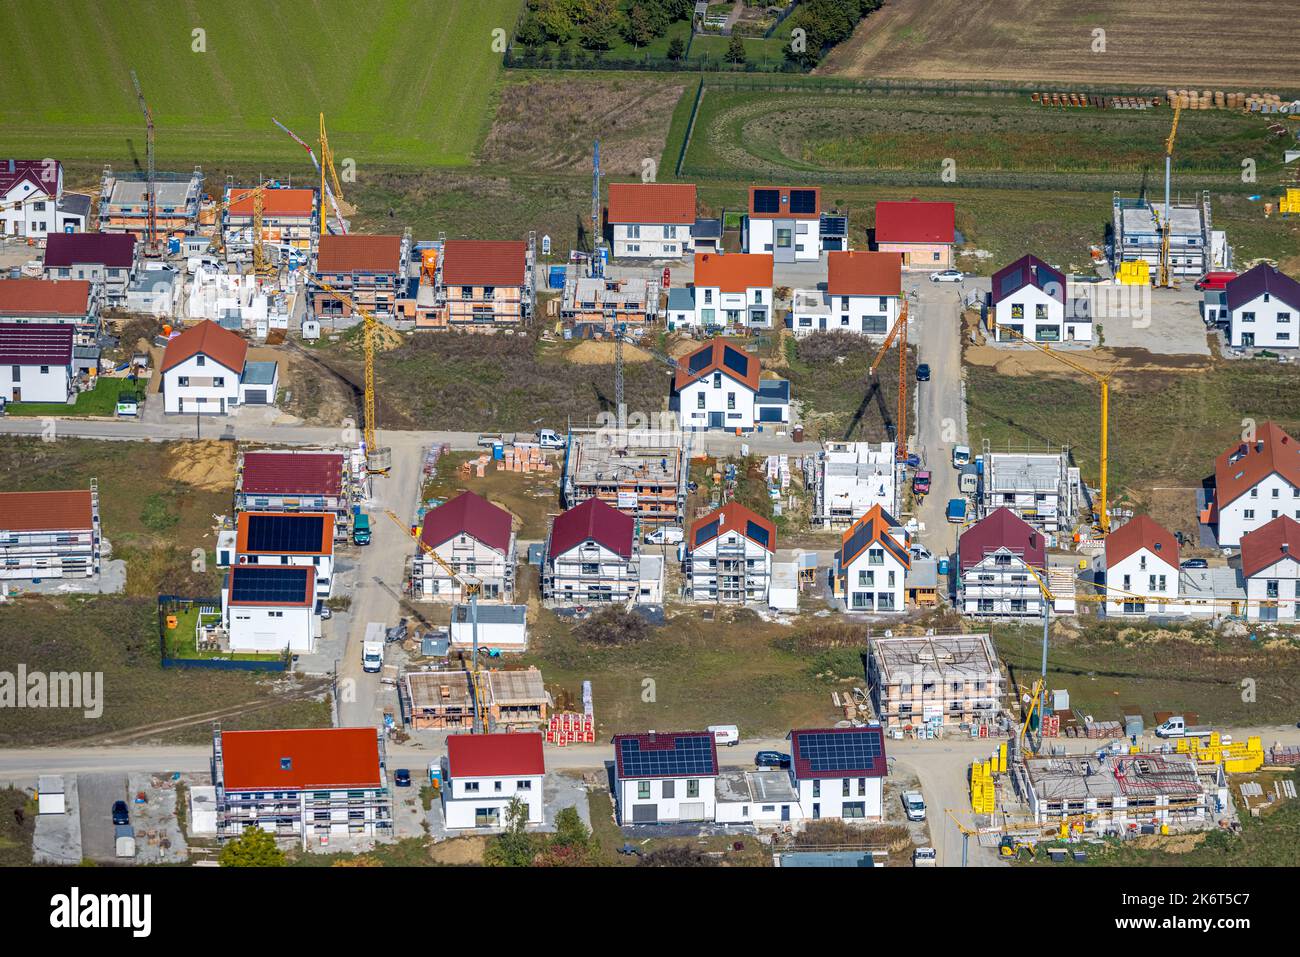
(406, 81)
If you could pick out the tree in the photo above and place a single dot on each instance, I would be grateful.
(640, 26)
(736, 49)
(254, 848)
(601, 24)
(531, 33)
(572, 844)
(676, 49)
(514, 847)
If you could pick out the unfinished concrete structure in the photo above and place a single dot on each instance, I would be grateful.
(1195, 247)
(595, 306)
(948, 680)
(1122, 792)
(124, 203)
(443, 699)
(646, 480)
(1042, 488)
(849, 478)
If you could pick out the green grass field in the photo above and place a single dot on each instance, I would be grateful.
(101, 400)
(406, 81)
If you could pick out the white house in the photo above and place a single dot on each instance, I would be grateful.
(733, 290)
(998, 557)
(483, 773)
(1270, 563)
(651, 220)
(1029, 301)
(665, 777)
(1255, 482)
(52, 534)
(474, 537)
(728, 556)
(35, 363)
(270, 608)
(1141, 568)
(201, 369)
(785, 222)
(591, 556)
(720, 387)
(1263, 307)
(106, 259)
(863, 294)
(872, 563)
(839, 772)
(32, 202)
(288, 538)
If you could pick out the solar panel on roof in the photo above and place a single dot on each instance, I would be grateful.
(285, 533)
(282, 584)
(827, 751)
(767, 200)
(857, 541)
(803, 201)
(835, 225)
(736, 361)
(707, 533)
(689, 757)
(700, 360)
(756, 532)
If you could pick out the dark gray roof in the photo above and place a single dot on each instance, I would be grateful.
(707, 229)
(491, 614)
(1263, 279)
(772, 392)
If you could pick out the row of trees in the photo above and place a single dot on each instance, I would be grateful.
(823, 23)
(598, 24)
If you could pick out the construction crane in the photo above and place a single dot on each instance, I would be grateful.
(238, 196)
(898, 331)
(619, 329)
(1167, 224)
(1101, 516)
(327, 166)
(328, 194)
(470, 587)
(597, 267)
(151, 189)
(378, 460)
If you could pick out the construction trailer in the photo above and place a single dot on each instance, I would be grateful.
(1043, 488)
(647, 482)
(124, 203)
(1195, 247)
(1121, 792)
(444, 698)
(935, 680)
(848, 478)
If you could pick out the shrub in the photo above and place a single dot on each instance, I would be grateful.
(613, 626)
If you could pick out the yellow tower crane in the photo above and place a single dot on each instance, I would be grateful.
(327, 170)
(1166, 223)
(378, 460)
(470, 588)
(236, 196)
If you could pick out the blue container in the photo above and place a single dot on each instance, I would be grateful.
(556, 280)
(173, 246)
(943, 566)
(498, 450)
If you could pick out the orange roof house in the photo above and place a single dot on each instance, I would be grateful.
(861, 273)
(651, 203)
(44, 297)
(717, 355)
(209, 339)
(46, 511)
(354, 253)
(275, 202)
(733, 272)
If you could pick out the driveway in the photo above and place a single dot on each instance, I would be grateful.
(1172, 326)
(96, 794)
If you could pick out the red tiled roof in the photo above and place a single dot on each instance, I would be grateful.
(44, 297)
(1246, 464)
(291, 473)
(1142, 531)
(317, 758)
(802, 761)
(593, 520)
(475, 262)
(469, 513)
(324, 546)
(860, 273)
(915, 222)
(495, 755)
(731, 516)
(733, 272)
(1269, 544)
(220, 345)
(70, 249)
(275, 202)
(783, 210)
(719, 351)
(13, 172)
(1001, 529)
(45, 511)
(356, 253)
(872, 527)
(667, 203)
(22, 344)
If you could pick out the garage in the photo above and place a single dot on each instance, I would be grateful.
(258, 384)
(645, 814)
(255, 397)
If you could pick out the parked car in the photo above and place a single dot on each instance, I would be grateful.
(960, 456)
(324, 610)
(727, 734)
(402, 778)
(925, 857)
(921, 483)
(914, 805)
(120, 813)
(1195, 563)
(948, 275)
(923, 372)
(771, 759)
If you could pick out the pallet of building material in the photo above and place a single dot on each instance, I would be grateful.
(1288, 755)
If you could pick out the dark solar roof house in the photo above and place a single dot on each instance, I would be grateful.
(839, 772)
(270, 608)
(665, 777)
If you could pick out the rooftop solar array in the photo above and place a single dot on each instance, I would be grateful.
(767, 200)
(756, 532)
(700, 360)
(832, 753)
(803, 201)
(735, 360)
(285, 533)
(278, 584)
(834, 225)
(707, 533)
(690, 756)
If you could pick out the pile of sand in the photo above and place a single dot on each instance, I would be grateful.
(205, 465)
(591, 352)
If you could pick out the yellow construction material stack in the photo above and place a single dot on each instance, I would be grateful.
(983, 794)
(1136, 273)
(1290, 203)
(1002, 758)
(1236, 758)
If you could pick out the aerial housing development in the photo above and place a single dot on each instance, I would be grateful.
(649, 433)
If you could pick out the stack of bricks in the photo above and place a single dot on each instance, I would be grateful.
(525, 459)
(476, 466)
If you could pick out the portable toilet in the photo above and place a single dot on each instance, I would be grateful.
(498, 451)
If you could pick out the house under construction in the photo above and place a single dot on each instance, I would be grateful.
(1195, 247)
(1043, 488)
(595, 306)
(124, 202)
(945, 680)
(443, 699)
(1122, 792)
(647, 482)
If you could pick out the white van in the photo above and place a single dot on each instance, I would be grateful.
(665, 535)
(727, 734)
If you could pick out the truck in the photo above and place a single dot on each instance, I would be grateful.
(914, 805)
(960, 456)
(361, 529)
(956, 510)
(1177, 727)
(372, 654)
(546, 438)
(487, 440)
(123, 840)
(925, 857)
(665, 535)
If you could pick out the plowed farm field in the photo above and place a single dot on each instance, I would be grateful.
(1248, 45)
